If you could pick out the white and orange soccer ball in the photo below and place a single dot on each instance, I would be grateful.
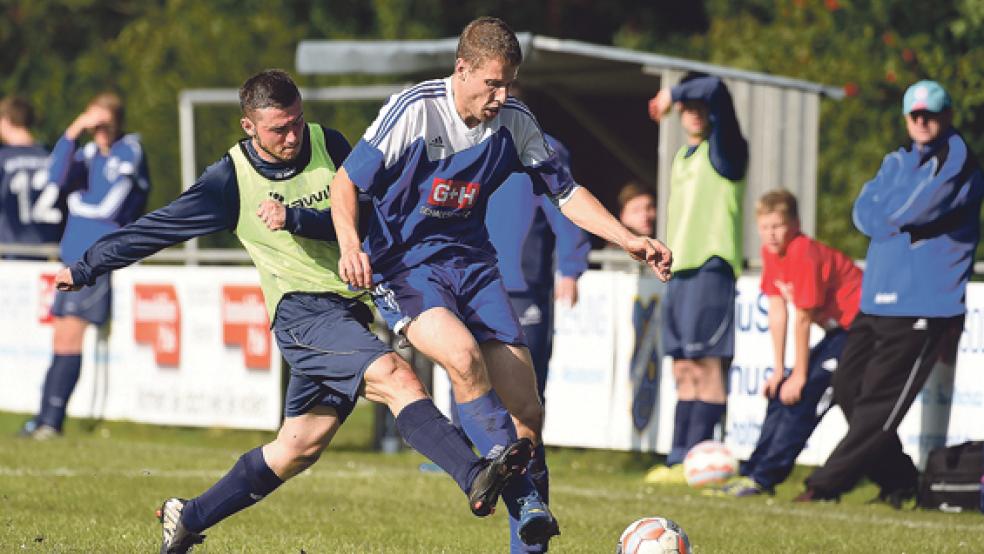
(653, 535)
(709, 463)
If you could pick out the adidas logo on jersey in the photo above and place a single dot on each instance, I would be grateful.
(436, 142)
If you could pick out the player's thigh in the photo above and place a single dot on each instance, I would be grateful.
(442, 337)
(69, 335)
(513, 379)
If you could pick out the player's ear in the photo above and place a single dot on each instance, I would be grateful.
(460, 68)
(248, 126)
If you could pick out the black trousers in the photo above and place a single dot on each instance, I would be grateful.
(885, 364)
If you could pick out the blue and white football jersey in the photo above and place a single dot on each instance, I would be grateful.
(32, 210)
(430, 176)
(107, 192)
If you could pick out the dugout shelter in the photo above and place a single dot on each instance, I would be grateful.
(594, 98)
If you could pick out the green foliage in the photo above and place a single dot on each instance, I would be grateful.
(875, 49)
(60, 53)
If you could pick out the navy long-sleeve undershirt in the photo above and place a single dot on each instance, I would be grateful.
(210, 205)
(728, 148)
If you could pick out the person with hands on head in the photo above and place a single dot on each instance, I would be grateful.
(704, 230)
(429, 163)
(283, 168)
(107, 183)
(824, 288)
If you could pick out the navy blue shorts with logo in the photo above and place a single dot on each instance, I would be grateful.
(699, 312)
(473, 291)
(89, 303)
(326, 340)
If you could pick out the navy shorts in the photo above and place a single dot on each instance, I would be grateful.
(472, 291)
(89, 303)
(699, 312)
(325, 339)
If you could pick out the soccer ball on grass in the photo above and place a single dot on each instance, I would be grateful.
(709, 463)
(653, 535)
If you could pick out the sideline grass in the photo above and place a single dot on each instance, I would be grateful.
(96, 491)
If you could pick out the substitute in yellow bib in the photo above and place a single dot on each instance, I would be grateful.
(707, 183)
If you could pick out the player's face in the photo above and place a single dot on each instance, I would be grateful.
(693, 118)
(106, 130)
(775, 231)
(278, 133)
(639, 215)
(925, 126)
(481, 90)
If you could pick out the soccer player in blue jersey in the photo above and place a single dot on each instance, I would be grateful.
(32, 210)
(271, 189)
(430, 161)
(107, 184)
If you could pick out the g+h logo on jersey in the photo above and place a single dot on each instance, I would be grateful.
(449, 193)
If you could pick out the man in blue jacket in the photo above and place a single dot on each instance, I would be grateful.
(921, 213)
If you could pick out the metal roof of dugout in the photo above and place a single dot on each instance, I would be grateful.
(593, 98)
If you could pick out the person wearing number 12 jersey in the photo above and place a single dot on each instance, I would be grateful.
(32, 210)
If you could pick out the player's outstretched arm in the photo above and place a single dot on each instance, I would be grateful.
(353, 264)
(587, 213)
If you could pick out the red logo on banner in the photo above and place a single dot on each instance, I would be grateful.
(46, 297)
(157, 322)
(245, 323)
(453, 194)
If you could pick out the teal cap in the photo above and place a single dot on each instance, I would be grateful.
(925, 95)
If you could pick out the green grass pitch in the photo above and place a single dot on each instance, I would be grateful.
(96, 491)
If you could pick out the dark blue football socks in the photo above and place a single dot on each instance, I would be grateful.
(248, 482)
(426, 429)
(703, 417)
(59, 382)
(681, 428)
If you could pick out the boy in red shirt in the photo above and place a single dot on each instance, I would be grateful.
(824, 287)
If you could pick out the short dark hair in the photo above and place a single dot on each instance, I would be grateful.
(486, 38)
(18, 111)
(268, 88)
(778, 201)
(632, 190)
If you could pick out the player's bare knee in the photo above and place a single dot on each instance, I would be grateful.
(391, 378)
(465, 367)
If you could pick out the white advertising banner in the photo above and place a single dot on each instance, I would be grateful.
(603, 390)
(187, 346)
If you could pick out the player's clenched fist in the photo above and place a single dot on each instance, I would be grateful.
(64, 281)
(354, 268)
(273, 214)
